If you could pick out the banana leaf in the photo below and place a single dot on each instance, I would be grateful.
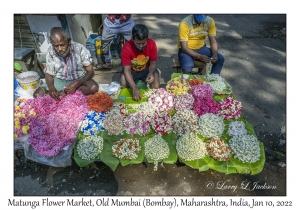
(220, 166)
(199, 164)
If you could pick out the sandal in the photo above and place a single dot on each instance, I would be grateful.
(105, 66)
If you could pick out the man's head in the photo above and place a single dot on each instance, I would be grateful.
(60, 41)
(199, 18)
(139, 36)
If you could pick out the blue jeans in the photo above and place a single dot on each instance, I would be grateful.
(187, 62)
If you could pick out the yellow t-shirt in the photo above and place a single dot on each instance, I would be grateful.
(194, 33)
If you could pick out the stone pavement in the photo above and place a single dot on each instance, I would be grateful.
(255, 66)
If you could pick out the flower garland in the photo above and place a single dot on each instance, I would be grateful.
(185, 121)
(217, 83)
(117, 108)
(127, 149)
(147, 108)
(245, 148)
(100, 102)
(230, 108)
(178, 86)
(183, 101)
(137, 123)
(50, 133)
(190, 147)
(90, 147)
(22, 120)
(218, 149)
(114, 124)
(92, 123)
(157, 149)
(162, 99)
(237, 128)
(162, 123)
(149, 92)
(211, 125)
(205, 105)
(194, 82)
(202, 91)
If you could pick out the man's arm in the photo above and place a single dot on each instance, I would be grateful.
(152, 69)
(129, 79)
(52, 90)
(197, 56)
(214, 48)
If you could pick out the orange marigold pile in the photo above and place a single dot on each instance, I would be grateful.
(100, 102)
(194, 82)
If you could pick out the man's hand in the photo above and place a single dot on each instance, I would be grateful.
(150, 78)
(54, 94)
(214, 58)
(136, 94)
(71, 88)
(204, 58)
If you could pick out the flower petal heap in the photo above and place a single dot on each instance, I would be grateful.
(211, 125)
(137, 123)
(100, 102)
(190, 147)
(218, 149)
(162, 100)
(185, 121)
(162, 123)
(93, 123)
(183, 102)
(245, 148)
(194, 82)
(236, 128)
(90, 147)
(23, 115)
(230, 108)
(178, 86)
(114, 124)
(217, 83)
(157, 149)
(205, 105)
(127, 149)
(202, 91)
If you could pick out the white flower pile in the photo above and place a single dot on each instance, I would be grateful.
(245, 148)
(211, 125)
(190, 147)
(127, 149)
(184, 101)
(114, 124)
(162, 99)
(157, 149)
(90, 147)
(149, 92)
(217, 82)
(236, 128)
(147, 109)
(117, 108)
(185, 121)
(218, 149)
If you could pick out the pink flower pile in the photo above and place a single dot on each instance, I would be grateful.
(202, 91)
(162, 99)
(230, 108)
(162, 123)
(58, 122)
(206, 105)
(137, 123)
(184, 101)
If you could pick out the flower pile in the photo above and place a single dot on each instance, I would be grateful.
(245, 148)
(90, 147)
(114, 124)
(194, 82)
(202, 91)
(217, 83)
(162, 100)
(183, 102)
(178, 86)
(149, 92)
(100, 102)
(92, 123)
(162, 123)
(211, 125)
(185, 121)
(117, 108)
(230, 108)
(147, 108)
(205, 105)
(22, 119)
(236, 128)
(126, 148)
(50, 133)
(137, 123)
(218, 149)
(157, 149)
(190, 147)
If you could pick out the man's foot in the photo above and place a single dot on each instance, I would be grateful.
(105, 66)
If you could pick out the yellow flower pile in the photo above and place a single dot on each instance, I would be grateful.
(178, 86)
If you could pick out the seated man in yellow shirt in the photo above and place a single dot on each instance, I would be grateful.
(192, 33)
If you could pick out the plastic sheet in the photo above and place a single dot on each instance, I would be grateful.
(62, 159)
